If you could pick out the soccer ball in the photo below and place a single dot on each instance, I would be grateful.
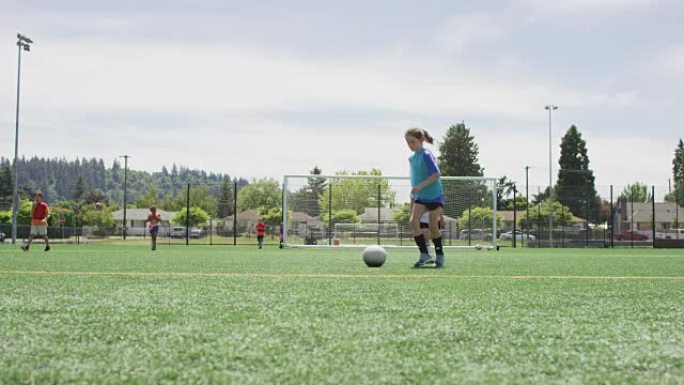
(374, 256)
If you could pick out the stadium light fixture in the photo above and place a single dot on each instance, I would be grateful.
(550, 108)
(23, 43)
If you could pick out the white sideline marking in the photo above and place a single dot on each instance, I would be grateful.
(340, 276)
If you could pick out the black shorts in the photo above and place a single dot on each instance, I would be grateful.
(431, 206)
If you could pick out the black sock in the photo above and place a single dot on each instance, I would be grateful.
(438, 246)
(420, 241)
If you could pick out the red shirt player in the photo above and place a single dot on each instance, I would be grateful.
(39, 214)
(261, 231)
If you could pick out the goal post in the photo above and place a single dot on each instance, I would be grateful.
(362, 210)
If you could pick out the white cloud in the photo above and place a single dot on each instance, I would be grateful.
(216, 106)
(670, 62)
(460, 31)
(584, 7)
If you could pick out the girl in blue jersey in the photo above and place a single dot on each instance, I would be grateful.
(427, 194)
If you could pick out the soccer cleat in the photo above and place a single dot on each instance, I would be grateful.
(47, 248)
(25, 248)
(440, 261)
(424, 259)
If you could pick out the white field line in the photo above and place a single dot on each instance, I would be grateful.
(336, 276)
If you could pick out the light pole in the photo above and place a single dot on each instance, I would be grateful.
(23, 43)
(550, 108)
(125, 197)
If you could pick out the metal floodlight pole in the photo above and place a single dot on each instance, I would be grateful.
(23, 43)
(550, 108)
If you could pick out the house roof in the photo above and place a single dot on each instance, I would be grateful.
(140, 214)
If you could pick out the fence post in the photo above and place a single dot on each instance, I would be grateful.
(587, 200)
(515, 218)
(653, 220)
(631, 220)
(612, 219)
(235, 213)
(330, 228)
(378, 213)
(187, 217)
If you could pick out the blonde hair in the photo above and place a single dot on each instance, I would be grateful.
(419, 134)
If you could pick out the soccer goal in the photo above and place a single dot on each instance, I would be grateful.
(362, 210)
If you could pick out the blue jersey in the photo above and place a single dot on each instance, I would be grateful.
(423, 165)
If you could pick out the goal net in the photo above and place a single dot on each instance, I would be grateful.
(362, 210)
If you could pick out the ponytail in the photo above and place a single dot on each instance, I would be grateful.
(419, 134)
(427, 137)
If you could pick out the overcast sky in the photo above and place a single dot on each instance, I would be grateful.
(266, 88)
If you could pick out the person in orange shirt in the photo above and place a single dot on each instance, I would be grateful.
(153, 220)
(261, 231)
(39, 215)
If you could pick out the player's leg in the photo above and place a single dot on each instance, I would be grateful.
(435, 215)
(425, 228)
(417, 211)
(30, 239)
(47, 241)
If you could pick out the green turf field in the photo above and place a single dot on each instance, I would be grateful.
(113, 314)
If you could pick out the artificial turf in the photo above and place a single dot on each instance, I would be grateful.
(119, 314)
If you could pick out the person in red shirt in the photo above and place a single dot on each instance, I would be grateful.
(39, 215)
(154, 219)
(261, 231)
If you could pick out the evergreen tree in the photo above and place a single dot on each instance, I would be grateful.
(458, 153)
(79, 189)
(314, 190)
(6, 183)
(225, 199)
(575, 187)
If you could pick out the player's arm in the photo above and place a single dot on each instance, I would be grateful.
(426, 182)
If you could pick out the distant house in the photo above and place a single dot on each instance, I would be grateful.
(638, 216)
(136, 220)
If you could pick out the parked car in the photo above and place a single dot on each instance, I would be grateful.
(630, 235)
(196, 233)
(473, 234)
(519, 236)
(177, 232)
